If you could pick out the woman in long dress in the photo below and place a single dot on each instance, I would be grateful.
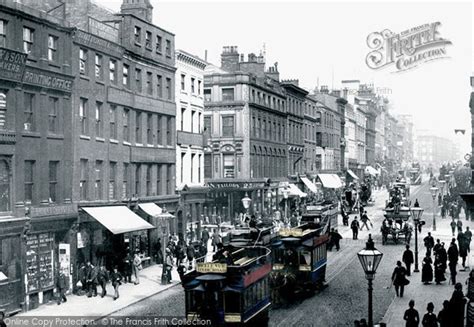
(439, 268)
(427, 270)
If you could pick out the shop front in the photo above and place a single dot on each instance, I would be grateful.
(107, 235)
(11, 257)
(190, 214)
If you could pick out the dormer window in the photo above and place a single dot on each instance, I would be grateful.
(148, 39)
(138, 34)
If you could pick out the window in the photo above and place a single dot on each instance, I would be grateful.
(138, 34)
(229, 166)
(125, 79)
(98, 119)
(148, 39)
(207, 165)
(53, 180)
(158, 131)
(99, 71)
(28, 39)
(159, 87)
(318, 117)
(207, 95)
(158, 44)
(228, 126)
(113, 121)
(193, 80)
(126, 124)
(183, 154)
(193, 117)
(126, 174)
(53, 126)
(183, 82)
(82, 61)
(52, 48)
(113, 71)
(83, 116)
(137, 179)
(193, 159)
(3, 33)
(5, 171)
(183, 114)
(228, 94)
(3, 111)
(148, 180)
(169, 129)
(199, 168)
(168, 48)
(138, 127)
(169, 173)
(29, 182)
(112, 177)
(199, 122)
(208, 124)
(168, 89)
(29, 124)
(149, 81)
(149, 129)
(158, 180)
(98, 180)
(138, 79)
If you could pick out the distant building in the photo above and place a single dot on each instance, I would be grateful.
(434, 150)
(245, 129)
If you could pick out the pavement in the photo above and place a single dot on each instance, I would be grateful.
(150, 284)
(423, 294)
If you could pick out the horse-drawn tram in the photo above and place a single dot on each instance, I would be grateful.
(299, 261)
(396, 225)
(231, 291)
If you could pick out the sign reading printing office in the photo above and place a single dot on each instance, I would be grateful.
(12, 64)
(407, 49)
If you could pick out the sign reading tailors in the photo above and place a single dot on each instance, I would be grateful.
(12, 64)
(212, 267)
(286, 232)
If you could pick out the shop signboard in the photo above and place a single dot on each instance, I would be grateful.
(12, 64)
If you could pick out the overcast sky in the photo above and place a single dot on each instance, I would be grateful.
(314, 40)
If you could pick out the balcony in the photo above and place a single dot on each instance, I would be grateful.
(188, 138)
(7, 137)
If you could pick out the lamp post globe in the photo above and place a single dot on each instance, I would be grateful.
(370, 259)
(246, 201)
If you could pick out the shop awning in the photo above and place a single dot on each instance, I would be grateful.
(371, 170)
(309, 184)
(351, 173)
(150, 209)
(118, 219)
(330, 180)
(295, 191)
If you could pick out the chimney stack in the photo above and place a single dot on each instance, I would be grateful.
(230, 58)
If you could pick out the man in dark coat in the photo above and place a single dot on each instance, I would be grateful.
(190, 253)
(462, 248)
(336, 238)
(92, 281)
(61, 284)
(399, 278)
(468, 237)
(457, 306)
(205, 236)
(128, 269)
(103, 279)
(429, 243)
(407, 259)
(453, 255)
(355, 228)
(437, 247)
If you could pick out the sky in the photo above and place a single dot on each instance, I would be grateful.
(325, 42)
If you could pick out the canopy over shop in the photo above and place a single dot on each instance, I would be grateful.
(330, 181)
(125, 232)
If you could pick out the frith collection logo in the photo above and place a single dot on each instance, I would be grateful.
(407, 49)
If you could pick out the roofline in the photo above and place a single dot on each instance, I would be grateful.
(146, 22)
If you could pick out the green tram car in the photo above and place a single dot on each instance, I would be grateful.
(235, 293)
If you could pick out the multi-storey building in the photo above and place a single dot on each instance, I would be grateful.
(367, 100)
(312, 125)
(36, 212)
(393, 148)
(433, 150)
(122, 128)
(245, 127)
(189, 147)
(380, 131)
(405, 124)
(295, 102)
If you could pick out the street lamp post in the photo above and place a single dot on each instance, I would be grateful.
(416, 213)
(164, 219)
(286, 193)
(434, 193)
(370, 259)
(246, 203)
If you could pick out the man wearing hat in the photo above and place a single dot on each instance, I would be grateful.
(168, 265)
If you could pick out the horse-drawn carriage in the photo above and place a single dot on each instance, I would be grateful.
(396, 226)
